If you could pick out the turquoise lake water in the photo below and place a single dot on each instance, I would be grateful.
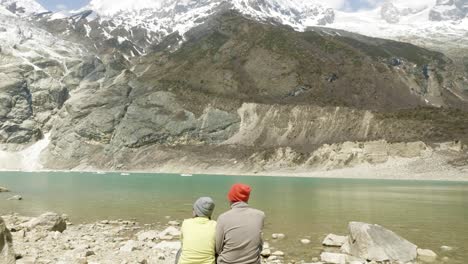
(430, 214)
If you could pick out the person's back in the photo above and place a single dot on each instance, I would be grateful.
(198, 241)
(239, 231)
(198, 235)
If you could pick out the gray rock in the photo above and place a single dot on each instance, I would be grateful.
(375, 243)
(174, 223)
(171, 231)
(426, 254)
(278, 236)
(333, 240)
(167, 245)
(7, 253)
(446, 248)
(130, 246)
(48, 221)
(278, 253)
(334, 258)
(265, 253)
(148, 235)
(161, 256)
(16, 197)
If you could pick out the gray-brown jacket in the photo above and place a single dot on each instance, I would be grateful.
(239, 235)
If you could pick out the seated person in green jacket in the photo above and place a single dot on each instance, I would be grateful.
(198, 235)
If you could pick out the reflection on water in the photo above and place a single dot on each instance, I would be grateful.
(430, 214)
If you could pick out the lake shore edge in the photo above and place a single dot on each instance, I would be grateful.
(370, 172)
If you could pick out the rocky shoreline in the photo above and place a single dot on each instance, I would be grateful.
(52, 238)
(361, 160)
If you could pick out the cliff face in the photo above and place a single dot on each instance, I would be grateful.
(235, 89)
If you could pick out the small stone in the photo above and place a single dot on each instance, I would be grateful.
(265, 253)
(426, 254)
(3, 189)
(22, 233)
(56, 235)
(161, 256)
(334, 258)
(446, 248)
(305, 241)
(278, 253)
(278, 236)
(81, 261)
(16, 198)
(166, 245)
(65, 217)
(130, 246)
(89, 253)
(174, 223)
(266, 245)
(170, 231)
(147, 235)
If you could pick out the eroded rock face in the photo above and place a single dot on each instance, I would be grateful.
(375, 243)
(7, 254)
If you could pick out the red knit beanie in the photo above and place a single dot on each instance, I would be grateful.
(239, 193)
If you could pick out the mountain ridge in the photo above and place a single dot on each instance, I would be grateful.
(154, 20)
(99, 94)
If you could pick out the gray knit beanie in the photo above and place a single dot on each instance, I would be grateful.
(204, 206)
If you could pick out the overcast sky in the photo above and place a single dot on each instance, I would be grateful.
(349, 5)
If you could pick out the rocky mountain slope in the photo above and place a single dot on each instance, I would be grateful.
(97, 92)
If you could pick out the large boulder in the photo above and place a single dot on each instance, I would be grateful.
(375, 243)
(48, 221)
(7, 254)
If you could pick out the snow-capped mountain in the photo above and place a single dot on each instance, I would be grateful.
(289, 12)
(23, 7)
(168, 16)
(137, 25)
(394, 11)
(449, 10)
(430, 24)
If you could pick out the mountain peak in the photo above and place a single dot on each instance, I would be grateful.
(295, 13)
(107, 7)
(449, 10)
(23, 7)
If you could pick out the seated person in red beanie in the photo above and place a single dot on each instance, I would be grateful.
(239, 230)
